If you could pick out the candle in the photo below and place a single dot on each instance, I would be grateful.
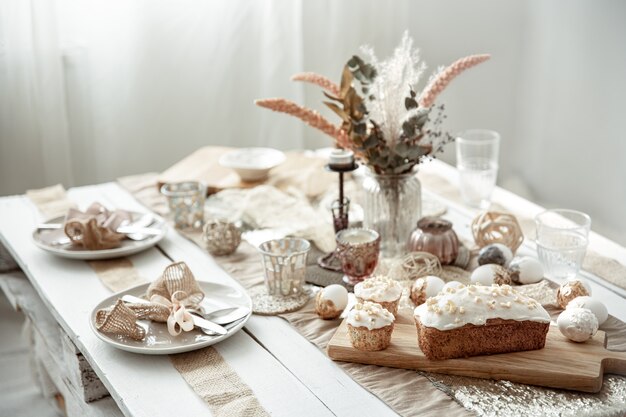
(341, 159)
(357, 236)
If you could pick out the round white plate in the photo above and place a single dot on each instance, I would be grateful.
(158, 341)
(252, 164)
(127, 247)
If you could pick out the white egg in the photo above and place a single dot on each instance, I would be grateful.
(451, 284)
(433, 285)
(337, 294)
(526, 270)
(577, 324)
(490, 274)
(597, 307)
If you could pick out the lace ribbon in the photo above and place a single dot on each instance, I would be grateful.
(171, 297)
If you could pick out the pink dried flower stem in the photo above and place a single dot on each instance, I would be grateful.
(432, 90)
(320, 80)
(308, 116)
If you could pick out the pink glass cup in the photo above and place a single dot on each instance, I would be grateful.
(358, 251)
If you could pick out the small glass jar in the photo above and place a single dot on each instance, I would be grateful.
(186, 202)
(284, 261)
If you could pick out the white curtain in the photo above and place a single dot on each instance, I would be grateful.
(94, 89)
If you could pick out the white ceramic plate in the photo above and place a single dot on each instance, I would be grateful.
(158, 341)
(252, 164)
(128, 246)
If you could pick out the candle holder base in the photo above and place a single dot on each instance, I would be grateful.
(330, 261)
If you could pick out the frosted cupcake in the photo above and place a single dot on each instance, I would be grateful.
(370, 326)
(382, 290)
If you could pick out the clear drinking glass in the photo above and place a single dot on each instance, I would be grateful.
(186, 202)
(562, 239)
(477, 161)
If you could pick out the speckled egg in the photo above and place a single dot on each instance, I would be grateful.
(577, 324)
(331, 301)
(495, 253)
(426, 287)
(526, 270)
(597, 307)
(490, 274)
(571, 289)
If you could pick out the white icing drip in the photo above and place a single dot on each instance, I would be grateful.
(378, 289)
(480, 303)
(369, 315)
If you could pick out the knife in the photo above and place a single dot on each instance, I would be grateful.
(197, 321)
(122, 229)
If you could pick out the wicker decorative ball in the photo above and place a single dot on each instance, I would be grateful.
(222, 237)
(496, 227)
(414, 265)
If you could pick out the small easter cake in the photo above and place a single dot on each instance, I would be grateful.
(370, 326)
(382, 290)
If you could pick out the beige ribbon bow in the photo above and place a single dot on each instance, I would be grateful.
(94, 229)
(171, 296)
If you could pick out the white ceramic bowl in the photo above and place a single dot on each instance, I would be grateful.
(252, 164)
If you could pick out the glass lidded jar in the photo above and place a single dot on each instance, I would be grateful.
(435, 235)
(392, 204)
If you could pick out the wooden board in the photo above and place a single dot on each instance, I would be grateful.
(561, 364)
(304, 171)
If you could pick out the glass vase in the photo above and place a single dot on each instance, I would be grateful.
(392, 207)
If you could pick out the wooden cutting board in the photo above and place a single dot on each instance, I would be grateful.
(561, 364)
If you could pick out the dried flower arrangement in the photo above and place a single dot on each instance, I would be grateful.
(389, 128)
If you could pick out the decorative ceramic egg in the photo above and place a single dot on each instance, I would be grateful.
(331, 301)
(577, 324)
(571, 289)
(452, 286)
(495, 253)
(426, 287)
(597, 307)
(491, 274)
(526, 270)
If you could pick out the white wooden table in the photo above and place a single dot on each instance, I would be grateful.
(288, 374)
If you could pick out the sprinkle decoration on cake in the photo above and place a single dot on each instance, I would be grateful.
(382, 290)
(370, 326)
(476, 319)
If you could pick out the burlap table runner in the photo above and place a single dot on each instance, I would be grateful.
(205, 370)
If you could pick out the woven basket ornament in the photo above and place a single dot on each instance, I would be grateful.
(497, 227)
(221, 237)
(415, 265)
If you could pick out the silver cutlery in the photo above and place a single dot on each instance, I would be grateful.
(204, 324)
(226, 315)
